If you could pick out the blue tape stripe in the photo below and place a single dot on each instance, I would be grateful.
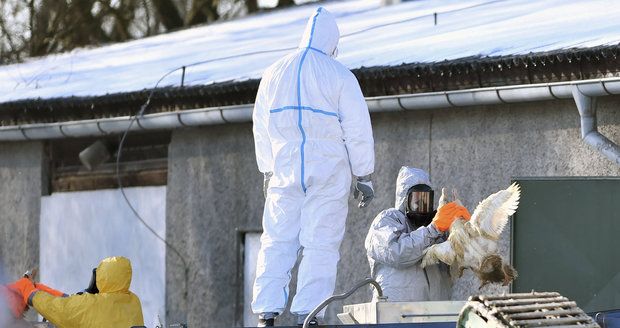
(299, 117)
(320, 111)
(301, 128)
(288, 273)
(318, 11)
(317, 50)
(314, 110)
(281, 109)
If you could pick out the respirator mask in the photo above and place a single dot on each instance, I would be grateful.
(419, 209)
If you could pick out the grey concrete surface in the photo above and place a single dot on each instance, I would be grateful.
(214, 188)
(23, 176)
(22, 173)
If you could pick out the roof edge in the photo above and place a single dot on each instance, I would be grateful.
(449, 75)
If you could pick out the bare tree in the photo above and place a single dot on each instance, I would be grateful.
(168, 14)
(252, 5)
(285, 3)
(202, 11)
(12, 34)
(8, 48)
(40, 27)
(123, 15)
(59, 26)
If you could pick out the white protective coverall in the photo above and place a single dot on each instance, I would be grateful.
(395, 250)
(312, 130)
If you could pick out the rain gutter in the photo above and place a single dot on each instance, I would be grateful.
(583, 92)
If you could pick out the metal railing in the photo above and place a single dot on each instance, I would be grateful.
(343, 296)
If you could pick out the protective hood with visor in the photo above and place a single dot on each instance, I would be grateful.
(395, 245)
(420, 212)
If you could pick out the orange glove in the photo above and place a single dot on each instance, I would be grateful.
(25, 287)
(447, 214)
(49, 290)
(13, 300)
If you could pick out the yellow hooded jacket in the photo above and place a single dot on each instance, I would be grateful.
(114, 306)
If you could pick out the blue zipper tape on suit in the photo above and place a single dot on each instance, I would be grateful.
(299, 117)
(317, 50)
(285, 289)
(314, 110)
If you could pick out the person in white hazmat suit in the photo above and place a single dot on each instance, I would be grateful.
(312, 132)
(398, 236)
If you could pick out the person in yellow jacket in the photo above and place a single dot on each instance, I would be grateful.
(114, 306)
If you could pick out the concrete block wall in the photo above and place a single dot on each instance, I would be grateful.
(23, 180)
(214, 187)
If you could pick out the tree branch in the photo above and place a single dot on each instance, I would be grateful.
(168, 14)
(13, 51)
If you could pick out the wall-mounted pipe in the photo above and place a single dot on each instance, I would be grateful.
(589, 129)
(585, 91)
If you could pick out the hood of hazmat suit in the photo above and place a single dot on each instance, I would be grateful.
(395, 250)
(309, 111)
(311, 129)
(114, 306)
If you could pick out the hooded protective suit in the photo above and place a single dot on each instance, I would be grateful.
(114, 306)
(312, 130)
(395, 250)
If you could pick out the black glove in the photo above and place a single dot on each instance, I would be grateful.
(92, 286)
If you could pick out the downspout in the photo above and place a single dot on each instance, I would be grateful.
(589, 129)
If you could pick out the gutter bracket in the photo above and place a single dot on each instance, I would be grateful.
(589, 129)
(23, 133)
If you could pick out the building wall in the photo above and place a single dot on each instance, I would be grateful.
(215, 188)
(22, 175)
(477, 151)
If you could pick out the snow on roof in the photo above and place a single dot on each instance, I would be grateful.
(371, 35)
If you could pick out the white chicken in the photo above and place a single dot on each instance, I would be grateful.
(473, 244)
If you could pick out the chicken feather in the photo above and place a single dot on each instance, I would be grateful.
(491, 215)
(473, 244)
(442, 199)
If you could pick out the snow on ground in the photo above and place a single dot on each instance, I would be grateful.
(371, 35)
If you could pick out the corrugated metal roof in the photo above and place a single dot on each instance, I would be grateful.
(371, 36)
